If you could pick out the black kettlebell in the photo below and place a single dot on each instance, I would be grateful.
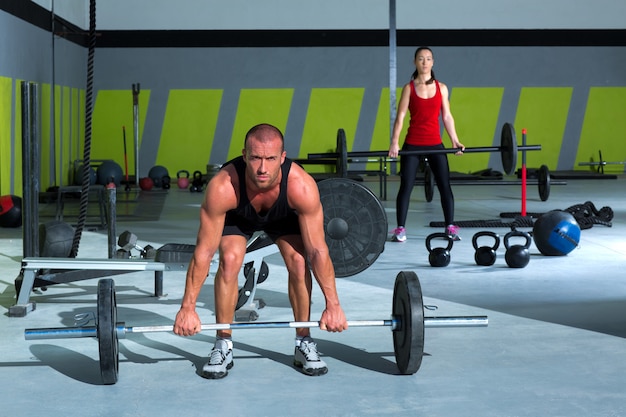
(197, 184)
(517, 256)
(439, 256)
(166, 182)
(486, 255)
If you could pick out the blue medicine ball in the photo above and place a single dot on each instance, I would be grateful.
(556, 233)
(157, 173)
(110, 171)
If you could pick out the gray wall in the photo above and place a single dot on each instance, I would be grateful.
(26, 53)
(304, 68)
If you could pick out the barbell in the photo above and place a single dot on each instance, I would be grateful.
(407, 323)
(543, 183)
(508, 151)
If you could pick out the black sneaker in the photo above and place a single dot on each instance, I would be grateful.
(220, 361)
(308, 359)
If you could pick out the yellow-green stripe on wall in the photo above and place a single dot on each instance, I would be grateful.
(329, 110)
(188, 130)
(604, 128)
(112, 110)
(259, 106)
(6, 93)
(475, 112)
(542, 111)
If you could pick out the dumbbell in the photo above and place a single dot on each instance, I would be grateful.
(128, 241)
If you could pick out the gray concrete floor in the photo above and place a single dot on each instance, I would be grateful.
(555, 344)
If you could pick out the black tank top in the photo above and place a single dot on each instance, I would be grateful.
(246, 213)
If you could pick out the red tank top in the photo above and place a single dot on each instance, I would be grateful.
(424, 127)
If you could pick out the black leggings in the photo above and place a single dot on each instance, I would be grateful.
(408, 170)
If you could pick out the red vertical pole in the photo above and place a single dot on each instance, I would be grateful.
(523, 174)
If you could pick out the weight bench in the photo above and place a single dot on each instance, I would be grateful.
(46, 271)
(42, 272)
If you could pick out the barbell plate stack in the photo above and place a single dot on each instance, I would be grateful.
(355, 225)
(108, 345)
(508, 148)
(408, 340)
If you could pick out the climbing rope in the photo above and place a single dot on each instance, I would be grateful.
(84, 196)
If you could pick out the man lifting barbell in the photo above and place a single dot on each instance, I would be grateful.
(261, 190)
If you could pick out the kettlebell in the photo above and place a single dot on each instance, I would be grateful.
(166, 182)
(183, 179)
(517, 256)
(197, 184)
(486, 255)
(440, 256)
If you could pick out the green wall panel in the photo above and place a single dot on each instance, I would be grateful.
(604, 128)
(17, 135)
(259, 106)
(113, 109)
(475, 112)
(66, 120)
(80, 145)
(77, 126)
(542, 111)
(6, 150)
(188, 130)
(329, 110)
(45, 152)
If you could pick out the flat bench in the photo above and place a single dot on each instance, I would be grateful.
(76, 269)
(50, 271)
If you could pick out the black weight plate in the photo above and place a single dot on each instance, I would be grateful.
(508, 148)
(543, 178)
(429, 184)
(342, 150)
(355, 224)
(248, 286)
(263, 273)
(108, 344)
(408, 307)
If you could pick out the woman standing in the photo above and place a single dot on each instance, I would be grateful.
(426, 99)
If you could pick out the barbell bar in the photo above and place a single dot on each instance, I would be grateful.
(508, 150)
(121, 329)
(407, 324)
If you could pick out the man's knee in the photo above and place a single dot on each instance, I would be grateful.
(296, 263)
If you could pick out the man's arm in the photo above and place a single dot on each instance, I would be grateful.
(219, 198)
(303, 196)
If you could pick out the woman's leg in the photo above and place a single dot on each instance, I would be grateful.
(408, 170)
(441, 172)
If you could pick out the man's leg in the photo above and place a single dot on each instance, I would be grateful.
(226, 291)
(300, 288)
